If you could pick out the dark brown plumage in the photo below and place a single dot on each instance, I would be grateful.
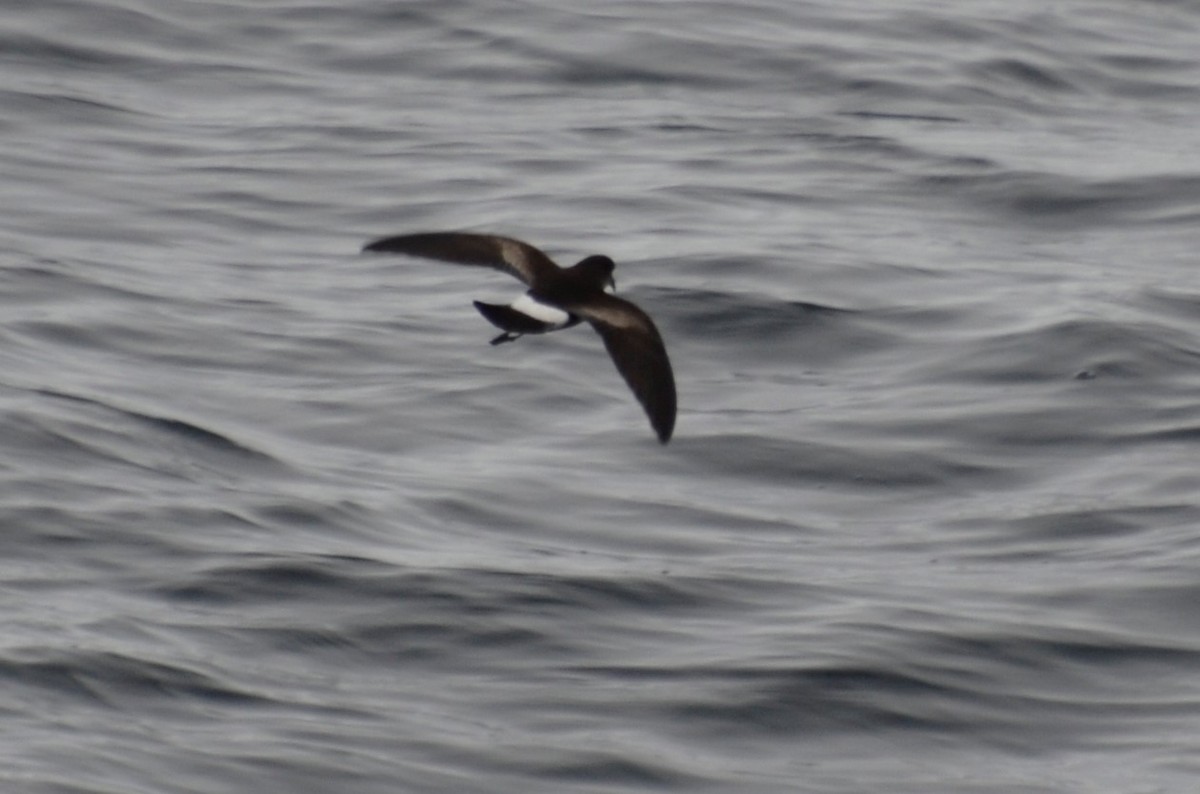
(629, 334)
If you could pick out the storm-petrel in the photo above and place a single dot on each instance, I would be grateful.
(559, 298)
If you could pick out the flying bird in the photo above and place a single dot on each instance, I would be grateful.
(559, 298)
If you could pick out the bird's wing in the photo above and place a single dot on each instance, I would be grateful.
(514, 257)
(638, 351)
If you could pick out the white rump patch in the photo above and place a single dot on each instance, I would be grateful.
(540, 311)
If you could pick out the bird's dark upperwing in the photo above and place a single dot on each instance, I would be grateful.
(502, 253)
(638, 351)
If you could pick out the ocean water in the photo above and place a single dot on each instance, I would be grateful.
(276, 517)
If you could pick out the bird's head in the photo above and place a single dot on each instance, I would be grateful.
(599, 270)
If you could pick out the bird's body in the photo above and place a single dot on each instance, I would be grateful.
(560, 298)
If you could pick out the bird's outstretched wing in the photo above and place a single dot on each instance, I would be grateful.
(638, 351)
(514, 257)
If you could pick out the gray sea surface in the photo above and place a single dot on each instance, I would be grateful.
(276, 518)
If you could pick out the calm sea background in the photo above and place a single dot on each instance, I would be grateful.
(276, 518)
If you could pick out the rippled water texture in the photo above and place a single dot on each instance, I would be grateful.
(277, 518)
